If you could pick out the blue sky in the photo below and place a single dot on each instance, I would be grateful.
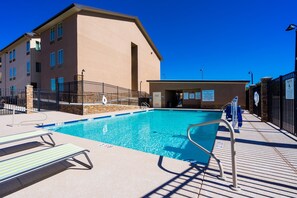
(226, 38)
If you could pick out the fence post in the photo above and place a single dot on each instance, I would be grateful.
(251, 98)
(264, 98)
(29, 98)
(38, 99)
(295, 103)
(69, 99)
(57, 96)
(103, 88)
(117, 94)
(281, 102)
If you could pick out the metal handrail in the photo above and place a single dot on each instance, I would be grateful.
(233, 152)
(27, 121)
(145, 104)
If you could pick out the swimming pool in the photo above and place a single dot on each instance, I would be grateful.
(160, 132)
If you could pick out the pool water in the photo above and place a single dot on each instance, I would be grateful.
(160, 132)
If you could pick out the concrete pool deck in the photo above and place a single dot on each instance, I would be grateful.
(267, 166)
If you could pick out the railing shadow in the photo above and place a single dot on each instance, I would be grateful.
(184, 184)
(270, 144)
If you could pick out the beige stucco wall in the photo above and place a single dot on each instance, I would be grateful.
(104, 51)
(69, 44)
(35, 57)
(20, 64)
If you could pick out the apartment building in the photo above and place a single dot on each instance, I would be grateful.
(110, 47)
(20, 64)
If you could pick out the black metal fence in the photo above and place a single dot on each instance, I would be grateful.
(85, 92)
(13, 100)
(282, 102)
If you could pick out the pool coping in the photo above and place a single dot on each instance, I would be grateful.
(117, 114)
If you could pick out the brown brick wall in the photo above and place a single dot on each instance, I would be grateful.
(92, 109)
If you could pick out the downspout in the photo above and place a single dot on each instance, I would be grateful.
(5, 88)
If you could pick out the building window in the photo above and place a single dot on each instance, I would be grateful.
(28, 68)
(10, 73)
(60, 56)
(12, 90)
(61, 83)
(52, 59)
(14, 73)
(38, 67)
(60, 31)
(13, 55)
(37, 45)
(28, 47)
(53, 84)
(0, 77)
(52, 34)
(10, 56)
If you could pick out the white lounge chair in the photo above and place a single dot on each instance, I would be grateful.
(17, 166)
(28, 135)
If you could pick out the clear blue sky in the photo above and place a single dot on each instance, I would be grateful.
(226, 38)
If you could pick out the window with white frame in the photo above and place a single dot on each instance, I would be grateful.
(60, 30)
(52, 34)
(53, 84)
(28, 47)
(61, 83)
(37, 45)
(52, 59)
(28, 69)
(60, 56)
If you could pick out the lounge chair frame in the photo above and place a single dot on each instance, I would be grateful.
(32, 169)
(20, 137)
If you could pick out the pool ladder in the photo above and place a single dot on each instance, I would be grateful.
(234, 186)
(145, 105)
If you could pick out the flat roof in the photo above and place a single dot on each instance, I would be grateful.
(75, 8)
(198, 81)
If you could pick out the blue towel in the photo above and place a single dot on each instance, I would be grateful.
(239, 117)
(228, 113)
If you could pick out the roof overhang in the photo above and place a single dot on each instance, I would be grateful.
(76, 8)
(18, 41)
(200, 81)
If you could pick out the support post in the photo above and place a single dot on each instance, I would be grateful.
(251, 98)
(295, 96)
(281, 102)
(264, 98)
(29, 99)
(38, 100)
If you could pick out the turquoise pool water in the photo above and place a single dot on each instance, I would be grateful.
(160, 132)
